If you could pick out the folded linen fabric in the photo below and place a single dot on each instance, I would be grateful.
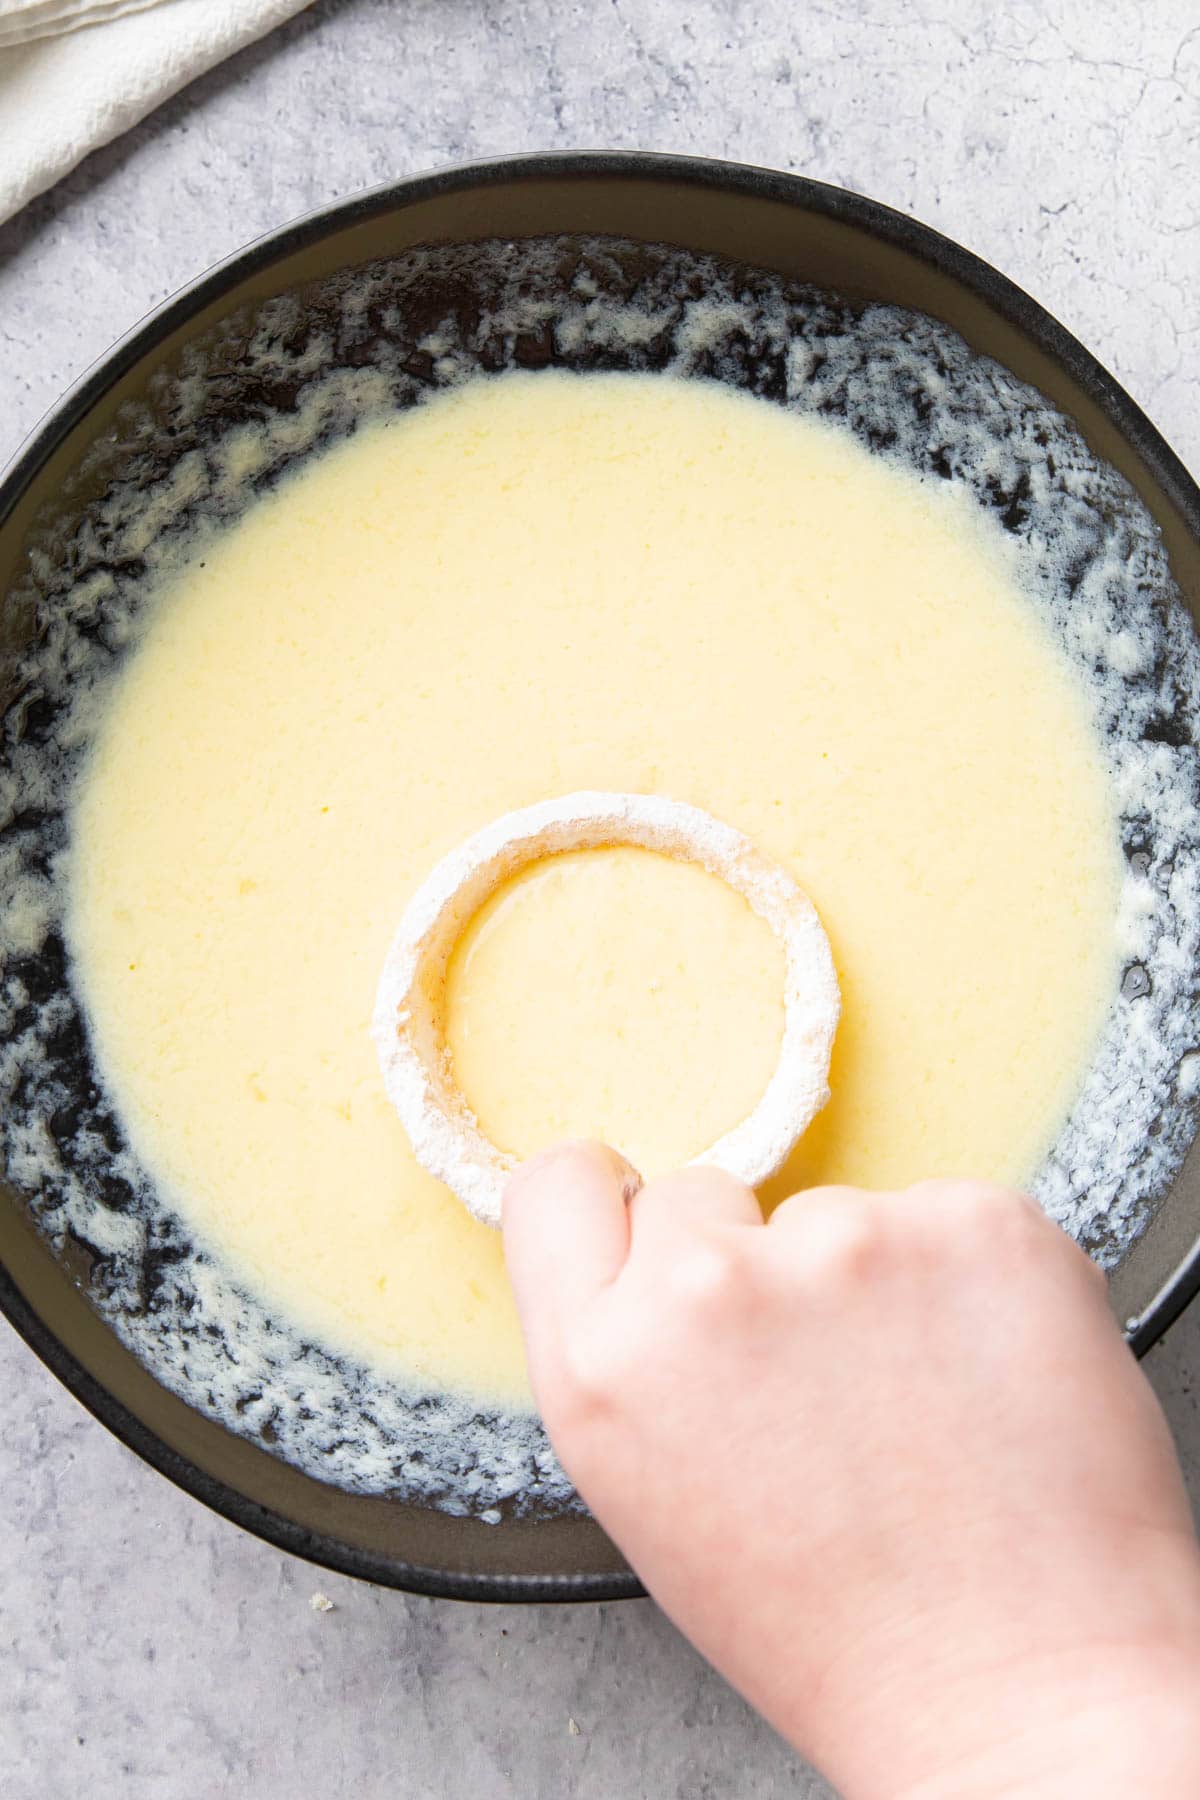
(21, 20)
(74, 74)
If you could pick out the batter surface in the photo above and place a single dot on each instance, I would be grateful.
(536, 584)
(657, 1015)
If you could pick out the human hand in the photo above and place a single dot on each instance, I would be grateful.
(886, 1460)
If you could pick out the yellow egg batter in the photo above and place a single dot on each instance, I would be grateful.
(536, 584)
(655, 1021)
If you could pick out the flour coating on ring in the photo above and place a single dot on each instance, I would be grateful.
(408, 1021)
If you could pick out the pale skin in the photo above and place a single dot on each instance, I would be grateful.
(886, 1460)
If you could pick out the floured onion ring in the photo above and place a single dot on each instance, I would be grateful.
(408, 1026)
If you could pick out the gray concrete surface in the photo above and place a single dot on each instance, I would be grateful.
(147, 1648)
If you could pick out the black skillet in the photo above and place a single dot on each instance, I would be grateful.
(807, 232)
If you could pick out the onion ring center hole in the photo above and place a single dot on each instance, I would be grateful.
(614, 992)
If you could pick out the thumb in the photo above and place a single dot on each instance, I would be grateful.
(566, 1236)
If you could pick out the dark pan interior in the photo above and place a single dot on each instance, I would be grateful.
(806, 232)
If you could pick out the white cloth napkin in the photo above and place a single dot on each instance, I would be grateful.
(76, 73)
(21, 20)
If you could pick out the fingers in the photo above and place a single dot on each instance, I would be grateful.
(801, 1208)
(566, 1230)
(691, 1197)
(942, 1197)
(954, 1215)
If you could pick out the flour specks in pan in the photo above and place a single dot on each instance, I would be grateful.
(302, 373)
